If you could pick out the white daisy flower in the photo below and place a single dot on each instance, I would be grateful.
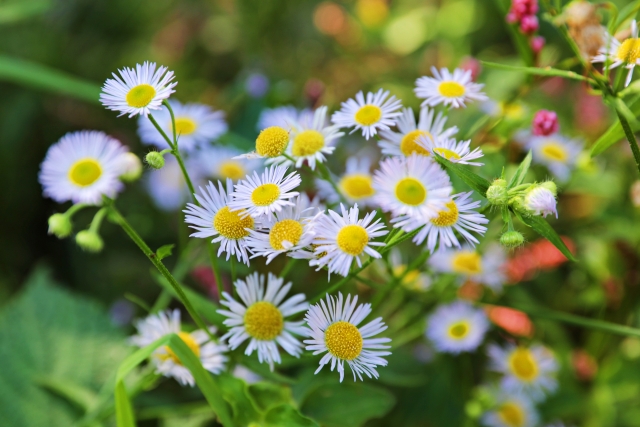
(289, 231)
(341, 239)
(449, 89)
(356, 184)
(82, 167)
(221, 163)
(334, 330)
(155, 326)
(452, 150)
(404, 143)
(558, 153)
(262, 195)
(414, 189)
(260, 316)
(541, 201)
(138, 91)
(526, 370)
(619, 53)
(469, 264)
(310, 142)
(196, 126)
(167, 186)
(215, 218)
(511, 410)
(457, 327)
(370, 115)
(285, 117)
(458, 215)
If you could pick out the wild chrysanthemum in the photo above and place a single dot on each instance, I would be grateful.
(220, 163)
(457, 327)
(259, 316)
(370, 114)
(452, 150)
(196, 126)
(405, 142)
(511, 410)
(155, 326)
(214, 218)
(355, 185)
(448, 89)
(82, 167)
(334, 330)
(270, 143)
(558, 153)
(263, 195)
(341, 239)
(529, 370)
(469, 264)
(138, 91)
(285, 117)
(619, 53)
(310, 142)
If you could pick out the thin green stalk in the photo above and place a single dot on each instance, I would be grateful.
(368, 282)
(398, 279)
(97, 220)
(326, 175)
(633, 143)
(214, 266)
(288, 267)
(173, 122)
(233, 270)
(75, 208)
(162, 132)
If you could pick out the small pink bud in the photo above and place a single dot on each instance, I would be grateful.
(471, 64)
(537, 43)
(545, 123)
(529, 24)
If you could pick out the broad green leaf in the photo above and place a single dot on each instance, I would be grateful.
(243, 407)
(623, 109)
(80, 396)
(522, 170)
(287, 415)
(627, 12)
(267, 395)
(476, 182)
(164, 251)
(542, 227)
(546, 71)
(615, 133)
(124, 411)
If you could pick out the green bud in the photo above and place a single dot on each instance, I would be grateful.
(132, 167)
(89, 241)
(551, 186)
(60, 225)
(512, 239)
(497, 192)
(155, 160)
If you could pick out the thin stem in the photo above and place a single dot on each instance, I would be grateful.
(75, 208)
(178, 157)
(326, 175)
(288, 267)
(633, 143)
(162, 132)
(97, 220)
(173, 121)
(214, 266)
(233, 270)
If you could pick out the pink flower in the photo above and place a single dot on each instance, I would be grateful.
(471, 64)
(520, 9)
(537, 43)
(545, 123)
(529, 24)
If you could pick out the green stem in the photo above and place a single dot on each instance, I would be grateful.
(288, 266)
(326, 175)
(173, 122)
(233, 270)
(97, 220)
(75, 208)
(214, 267)
(633, 143)
(397, 280)
(162, 132)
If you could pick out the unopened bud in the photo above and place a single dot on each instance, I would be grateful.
(89, 241)
(540, 201)
(551, 186)
(155, 160)
(60, 225)
(497, 192)
(131, 167)
(512, 239)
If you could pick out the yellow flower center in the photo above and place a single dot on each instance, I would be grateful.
(409, 143)
(288, 230)
(447, 154)
(523, 365)
(306, 143)
(352, 239)
(410, 280)
(140, 96)
(410, 191)
(459, 330)
(451, 89)
(468, 263)
(272, 141)
(368, 115)
(185, 126)
(555, 151)
(231, 224)
(189, 341)
(231, 169)
(629, 51)
(85, 172)
(343, 340)
(357, 186)
(447, 217)
(263, 321)
(511, 414)
(265, 194)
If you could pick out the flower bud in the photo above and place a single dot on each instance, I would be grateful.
(537, 43)
(551, 186)
(529, 24)
(512, 239)
(540, 201)
(131, 167)
(497, 192)
(60, 225)
(89, 241)
(155, 160)
(545, 123)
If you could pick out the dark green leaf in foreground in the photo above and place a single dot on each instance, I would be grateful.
(476, 182)
(542, 227)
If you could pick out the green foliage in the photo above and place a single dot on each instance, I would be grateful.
(476, 182)
(546, 71)
(521, 172)
(164, 251)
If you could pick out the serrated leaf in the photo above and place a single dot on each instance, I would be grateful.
(164, 251)
(546, 71)
(476, 182)
(542, 227)
(522, 170)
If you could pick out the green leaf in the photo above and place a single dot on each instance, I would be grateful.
(542, 227)
(164, 251)
(546, 71)
(615, 133)
(243, 406)
(267, 395)
(80, 396)
(476, 182)
(522, 170)
(124, 411)
(287, 415)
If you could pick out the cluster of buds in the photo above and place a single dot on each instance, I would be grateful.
(545, 123)
(523, 13)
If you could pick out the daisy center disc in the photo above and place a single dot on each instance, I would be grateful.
(448, 216)
(343, 340)
(352, 239)
(523, 365)
(554, 151)
(368, 115)
(263, 321)
(469, 263)
(306, 143)
(185, 126)
(272, 141)
(287, 230)
(629, 51)
(357, 186)
(189, 341)
(410, 145)
(451, 89)
(265, 194)
(459, 330)
(410, 191)
(85, 172)
(140, 96)
(231, 169)
(446, 153)
(511, 414)
(231, 224)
